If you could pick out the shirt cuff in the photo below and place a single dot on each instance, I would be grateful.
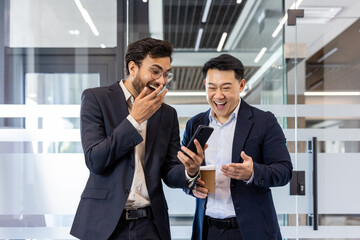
(134, 123)
(250, 180)
(191, 180)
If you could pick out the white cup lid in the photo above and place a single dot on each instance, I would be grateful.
(208, 167)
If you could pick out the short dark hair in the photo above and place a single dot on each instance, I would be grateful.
(225, 62)
(155, 48)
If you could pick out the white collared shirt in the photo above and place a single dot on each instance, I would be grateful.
(138, 196)
(219, 152)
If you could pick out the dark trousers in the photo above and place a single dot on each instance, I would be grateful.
(135, 229)
(221, 229)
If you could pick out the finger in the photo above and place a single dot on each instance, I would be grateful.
(200, 182)
(199, 149)
(245, 157)
(205, 147)
(183, 159)
(225, 168)
(201, 190)
(163, 93)
(190, 153)
(159, 99)
(155, 93)
(142, 93)
(199, 194)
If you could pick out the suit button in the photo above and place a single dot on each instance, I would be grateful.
(132, 166)
(127, 190)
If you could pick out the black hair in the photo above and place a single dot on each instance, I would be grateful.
(225, 62)
(155, 48)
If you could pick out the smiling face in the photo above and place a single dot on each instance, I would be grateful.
(223, 92)
(142, 76)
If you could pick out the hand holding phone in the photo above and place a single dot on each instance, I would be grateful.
(202, 134)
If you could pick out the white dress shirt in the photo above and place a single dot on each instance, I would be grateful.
(219, 152)
(138, 196)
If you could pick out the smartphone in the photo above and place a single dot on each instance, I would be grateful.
(202, 134)
(161, 91)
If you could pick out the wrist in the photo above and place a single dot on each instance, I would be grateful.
(192, 174)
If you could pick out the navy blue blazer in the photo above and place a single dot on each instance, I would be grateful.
(261, 137)
(108, 140)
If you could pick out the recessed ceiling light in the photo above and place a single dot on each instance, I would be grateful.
(102, 45)
(238, 1)
(206, 11)
(87, 17)
(260, 55)
(74, 32)
(198, 39)
(328, 54)
(222, 41)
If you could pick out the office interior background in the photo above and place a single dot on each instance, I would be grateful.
(306, 73)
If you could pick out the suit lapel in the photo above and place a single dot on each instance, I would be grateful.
(117, 98)
(151, 132)
(203, 120)
(242, 129)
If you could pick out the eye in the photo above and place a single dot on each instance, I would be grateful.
(155, 71)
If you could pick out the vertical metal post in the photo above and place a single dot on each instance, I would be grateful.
(315, 185)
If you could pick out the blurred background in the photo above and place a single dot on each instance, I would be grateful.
(304, 69)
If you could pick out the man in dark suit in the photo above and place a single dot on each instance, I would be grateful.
(249, 151)
(130, 140)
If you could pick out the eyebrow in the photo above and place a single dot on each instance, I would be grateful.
(160, 67)
(227, 83)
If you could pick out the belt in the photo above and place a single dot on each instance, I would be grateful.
(227, 223)
(133, 214)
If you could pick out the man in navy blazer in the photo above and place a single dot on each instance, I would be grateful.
(130, 140)
(249, 151)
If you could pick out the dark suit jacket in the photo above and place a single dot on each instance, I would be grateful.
(108, 140)
(260, 136)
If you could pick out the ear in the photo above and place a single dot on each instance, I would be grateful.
(242, 85)
(132, 68)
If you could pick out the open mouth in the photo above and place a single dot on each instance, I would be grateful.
(220, 105)
(152, 87)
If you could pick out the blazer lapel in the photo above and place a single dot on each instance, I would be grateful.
(242, 129)
(204, 120)
(117, 98)
(151, 133)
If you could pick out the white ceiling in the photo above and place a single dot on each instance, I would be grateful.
(314, 35)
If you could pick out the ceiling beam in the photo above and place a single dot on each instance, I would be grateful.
(200, 58)
(241, 24)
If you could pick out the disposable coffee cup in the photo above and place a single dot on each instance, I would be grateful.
(207, 174)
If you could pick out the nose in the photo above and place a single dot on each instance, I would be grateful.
(162, 80)
(219, 94)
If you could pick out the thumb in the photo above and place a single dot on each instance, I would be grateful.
(245, 157)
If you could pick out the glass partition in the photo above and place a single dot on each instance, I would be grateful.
(322, 84)
(306, 74)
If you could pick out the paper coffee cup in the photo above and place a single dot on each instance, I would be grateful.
(207, 174)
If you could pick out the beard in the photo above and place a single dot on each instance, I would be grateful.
(138, 84)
